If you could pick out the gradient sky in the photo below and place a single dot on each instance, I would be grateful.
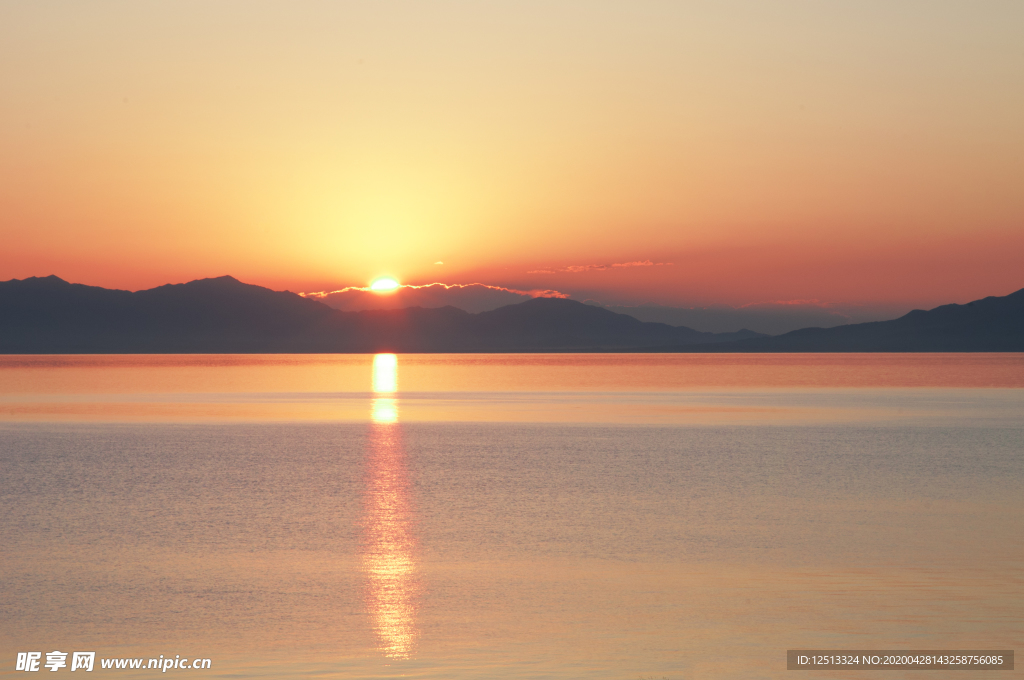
(861, 152)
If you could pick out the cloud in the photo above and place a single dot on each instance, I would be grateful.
(471, 297)
(577, 268)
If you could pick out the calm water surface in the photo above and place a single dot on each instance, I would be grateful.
(510, 516)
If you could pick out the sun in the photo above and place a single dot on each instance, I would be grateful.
(384, 285)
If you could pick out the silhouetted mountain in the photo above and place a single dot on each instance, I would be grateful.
(49, 315)
(223, 315)
(561, 324)
(770, 318)
(994, 324)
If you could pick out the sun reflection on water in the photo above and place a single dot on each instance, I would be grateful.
(388, 541)
(384, 410)
(385, 373)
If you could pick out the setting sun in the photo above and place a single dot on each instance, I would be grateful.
(384, 285)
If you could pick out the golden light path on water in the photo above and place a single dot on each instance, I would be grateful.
(388, 542)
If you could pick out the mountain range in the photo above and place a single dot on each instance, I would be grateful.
(992, 324)
(223, 315)
(48, 315)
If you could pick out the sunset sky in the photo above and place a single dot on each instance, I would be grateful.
(847, 153)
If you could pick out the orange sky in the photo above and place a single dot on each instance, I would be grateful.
(851, 153)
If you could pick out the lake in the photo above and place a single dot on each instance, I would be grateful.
(509, 516)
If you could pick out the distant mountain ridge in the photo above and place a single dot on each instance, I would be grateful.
(992, 324)
(223, 315)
